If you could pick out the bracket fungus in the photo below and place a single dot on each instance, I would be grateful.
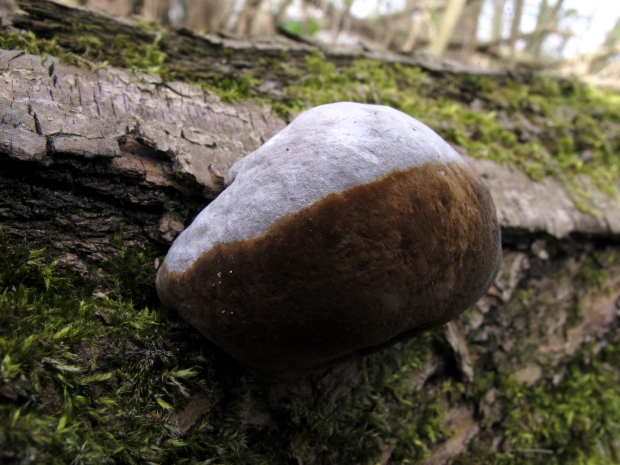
(353, 228)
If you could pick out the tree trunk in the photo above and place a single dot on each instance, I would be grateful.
(396, 22)
(114, 7)
(262, 25)
(514, 29)
(416, 27)
(244, 22)
(204, 15)
(535, 42)
(158, 10)
(85, 153)
(340, 19)
(608, 49)
(466, 30)
(498, 19)
(448, 22)
(546, 22)
(281, 12)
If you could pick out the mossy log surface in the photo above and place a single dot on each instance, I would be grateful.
(103, 167)
(202, 57)
(157, 151)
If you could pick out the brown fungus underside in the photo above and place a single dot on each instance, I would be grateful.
(353, 273)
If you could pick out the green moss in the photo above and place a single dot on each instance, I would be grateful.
(367, 420)
(69, 391)
(575, 315)
(130, 54)
(594, 271)
(29, 43)
(92, 379)
(85, 50)
(231, 90)
(86, 380)
(578, 420)
(132, 277)
(307, 28)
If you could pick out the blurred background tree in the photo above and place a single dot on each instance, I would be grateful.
(555, 35)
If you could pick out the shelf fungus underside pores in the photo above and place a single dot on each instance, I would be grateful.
(353, 228)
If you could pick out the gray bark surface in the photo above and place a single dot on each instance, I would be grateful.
(529, 208)
(84, 152)
(160, 151)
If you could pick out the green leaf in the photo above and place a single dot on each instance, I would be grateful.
(96, 378)
(185, 373)
(61, 366)
(162, 403)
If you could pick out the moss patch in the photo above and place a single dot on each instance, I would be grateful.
(576, 421)
(231, 90)
(86, 50)
(92, 377)
(542, 125)
(29, 43)
(593, 272)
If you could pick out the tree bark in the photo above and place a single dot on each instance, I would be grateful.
(608, 49)
(546, 22)
(201, 58)
(514, 29)
(498, 19)
(204, 15)
(244, 23)
(151, 142)
(340, 19)
(448, 22)
(145, 156)
(466, 30)
(396, 22)
(86, 152)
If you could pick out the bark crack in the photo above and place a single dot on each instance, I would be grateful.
(180, 94)
(37, 123)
